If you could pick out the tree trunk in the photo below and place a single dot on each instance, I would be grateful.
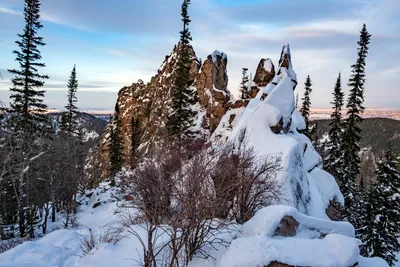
(53, 212)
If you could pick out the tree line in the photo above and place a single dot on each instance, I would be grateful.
(372, 208)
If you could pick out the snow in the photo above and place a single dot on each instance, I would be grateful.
(298, 121)
(224, 128)
(327, 186)
(216, 54)
(266, 220)
(257, 245)
(372, 262)
(306, 191)
(268, 65)
(332, 251)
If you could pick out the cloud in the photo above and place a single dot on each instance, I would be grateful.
(117, 43)
(9, 11)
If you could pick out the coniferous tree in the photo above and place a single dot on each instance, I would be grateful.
(333, 160)
(244, 84)
(184, 96)
(351, 135)
(297, 100)
(27, 122)
(136, 139)
(69, 119)
(306, 105)
(381, 223)
(26, 94)
(115, 152)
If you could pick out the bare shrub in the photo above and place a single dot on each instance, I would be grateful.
(92, 241)
(244, 183)
(10, 243)
(191, 194)
(88, 243)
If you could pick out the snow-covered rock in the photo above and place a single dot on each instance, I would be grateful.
(271, 123)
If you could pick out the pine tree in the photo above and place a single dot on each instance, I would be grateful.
(69, 119)
(26, 95)
(381, 226)
(351, 135)
(244, 84)
(333, 161)
(305, 108)
(184, 96)
(115, 151)
(297, 100)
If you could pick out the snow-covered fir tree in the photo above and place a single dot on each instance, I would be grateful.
(183, 95)
(306, 105)
(69, 118)
(381, 219)
(351, 135)
(334, 154)
(244, 94)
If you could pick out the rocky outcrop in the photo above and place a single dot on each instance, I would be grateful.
(142, 109)
(265, 72)
(211, 84)
(287, 227)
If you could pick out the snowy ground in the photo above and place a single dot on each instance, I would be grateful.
(255, 244)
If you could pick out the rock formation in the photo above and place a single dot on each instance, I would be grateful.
(148, 105)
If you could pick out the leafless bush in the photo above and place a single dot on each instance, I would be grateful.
(10, 243)
(88, 243)
(92, 241)
(244, 182)
(192, 195)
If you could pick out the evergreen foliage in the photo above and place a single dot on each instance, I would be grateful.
(333, 161)
(306, 105)
(69, 120)
(381, 220)
(183, 95)
(244, 84)
(136, 139)
(26, 95)
(352, 130)
(27, 123)
(115, 151)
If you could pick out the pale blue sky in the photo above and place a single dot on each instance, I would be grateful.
(115, 43)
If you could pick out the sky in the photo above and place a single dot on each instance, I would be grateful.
(115, 43)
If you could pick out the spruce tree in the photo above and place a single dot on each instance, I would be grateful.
(244, 84)
(333, 160)
(183, 95)
(69, 119)
(26, 93)
(297, 100)
(381, 227)
(352, 130)
(306, 105)
(27, 122)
